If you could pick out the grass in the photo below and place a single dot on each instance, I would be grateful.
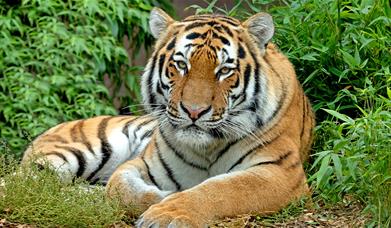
(39, 198)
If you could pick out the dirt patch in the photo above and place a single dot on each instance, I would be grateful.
(8, 224)
(340, 216)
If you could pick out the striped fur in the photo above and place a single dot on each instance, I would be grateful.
(93, 148)
(231, 127)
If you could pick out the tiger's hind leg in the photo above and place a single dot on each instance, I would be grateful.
(91, 149)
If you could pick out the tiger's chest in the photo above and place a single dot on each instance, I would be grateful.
(176, 168)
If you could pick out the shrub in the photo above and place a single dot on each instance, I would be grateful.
(353, 158)
(339, 48)
(53, 58)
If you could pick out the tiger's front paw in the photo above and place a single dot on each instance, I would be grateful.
(170, 214)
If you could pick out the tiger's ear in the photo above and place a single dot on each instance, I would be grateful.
(158, 22)
(261, 27)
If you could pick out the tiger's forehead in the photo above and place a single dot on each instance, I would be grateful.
(212, 17)
(216, 34)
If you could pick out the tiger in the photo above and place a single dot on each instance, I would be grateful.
(227, 130)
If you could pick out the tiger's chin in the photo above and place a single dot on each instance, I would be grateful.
(194, 137)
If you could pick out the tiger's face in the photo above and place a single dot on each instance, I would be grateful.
(204, 77)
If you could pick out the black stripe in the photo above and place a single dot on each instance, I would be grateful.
(236, 85)
(222, 152)
(241, 52)
(54, 138)
(61, 126)
(80, 158)
(247, 75)
(171, 45)
(274, 162)
(229, 18)
(194, 25)
(105, 146)
(151, 97)
(162, 57)
(282, 98)
(229, 21)
(140, 126)
(147, 134)
(159, 88)
(180, 155)
(167, 168)
(75, 129)
(58, 154)
(229, 60)
(257, 86)
(83, 138)
(151, 177)
(227, 30)
(218, 29)
(211, 23)
(164, 86)
(223, 39)
(125, 129)
(303, 116)
(261, 145)
(216, 133)
(193, 35)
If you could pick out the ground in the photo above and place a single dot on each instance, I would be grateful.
(339, 216)
(348, 215)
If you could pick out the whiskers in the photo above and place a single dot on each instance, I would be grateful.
(141, 109)
(241, 124)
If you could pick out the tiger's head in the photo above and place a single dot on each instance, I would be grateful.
(204, 78)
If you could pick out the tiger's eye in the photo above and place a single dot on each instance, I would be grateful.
(182, 65)
(225, 70)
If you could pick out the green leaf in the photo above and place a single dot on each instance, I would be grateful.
(340, 116)
(337, 166)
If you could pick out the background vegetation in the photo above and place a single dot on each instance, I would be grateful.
(54, 56)
(340, 49)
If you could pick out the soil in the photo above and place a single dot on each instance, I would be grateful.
(339, 216)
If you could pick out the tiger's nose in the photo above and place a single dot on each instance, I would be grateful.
(194, 111)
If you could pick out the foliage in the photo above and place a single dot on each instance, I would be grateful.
(339, 48)
(53, 59)
(354, 158)
(39, 198)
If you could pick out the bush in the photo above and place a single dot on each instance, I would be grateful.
(53, 58)
(353, 158)
(339, 48)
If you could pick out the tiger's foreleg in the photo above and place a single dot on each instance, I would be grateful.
(133, 186)
(261, 189)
